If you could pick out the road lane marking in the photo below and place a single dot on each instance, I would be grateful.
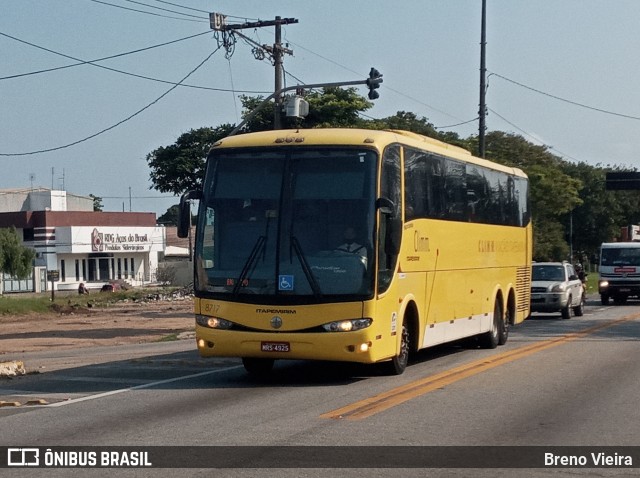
(138, 387)
(391, 398)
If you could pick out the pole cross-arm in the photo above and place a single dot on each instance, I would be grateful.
(289, 88)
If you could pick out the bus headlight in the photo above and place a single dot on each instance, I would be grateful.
(213, 322)
(347, 325)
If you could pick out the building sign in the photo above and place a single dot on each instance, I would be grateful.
(109, 242)
(53, 276)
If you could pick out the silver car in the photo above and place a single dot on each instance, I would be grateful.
(555, 287)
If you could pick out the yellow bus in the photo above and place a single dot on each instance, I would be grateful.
(355, 245)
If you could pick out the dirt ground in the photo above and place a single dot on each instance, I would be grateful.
(121, 323)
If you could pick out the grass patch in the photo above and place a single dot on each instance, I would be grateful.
(168, 338)
(592, 283)
(25, 304)
(18, 305)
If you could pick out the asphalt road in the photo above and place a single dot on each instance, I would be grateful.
(556, 383)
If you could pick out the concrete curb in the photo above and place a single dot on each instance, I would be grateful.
(12, 369)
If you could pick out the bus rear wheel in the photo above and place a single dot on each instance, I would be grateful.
(490, 339)
(257, 367)
(503, 335)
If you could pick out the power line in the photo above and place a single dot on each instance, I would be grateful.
(575, 103)
(94, 63)
(457, 124)
(148, 13)
(198, 18)
(386, 87)
(516, 127)
(84, 62)
(164, 9)
(182, 6)
(202, 11)
(119, 122)
(537, 140)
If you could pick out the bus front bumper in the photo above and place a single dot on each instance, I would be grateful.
(356, 346)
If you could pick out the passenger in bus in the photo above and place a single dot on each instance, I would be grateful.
(351, 246)
(251, 211)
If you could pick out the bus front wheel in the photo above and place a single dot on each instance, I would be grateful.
(398, 364)
(257, 366)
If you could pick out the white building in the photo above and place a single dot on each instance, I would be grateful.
(80, 244)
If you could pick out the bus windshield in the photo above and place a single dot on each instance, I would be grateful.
(287, 225)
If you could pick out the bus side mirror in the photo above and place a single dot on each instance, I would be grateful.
(184, 212)
(393, 226)
(386, 206)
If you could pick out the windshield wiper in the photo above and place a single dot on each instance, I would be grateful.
(258, 248)
(317, 292)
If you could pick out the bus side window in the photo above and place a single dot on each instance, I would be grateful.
(390, 230)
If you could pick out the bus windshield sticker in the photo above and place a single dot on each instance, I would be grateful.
(285, 283)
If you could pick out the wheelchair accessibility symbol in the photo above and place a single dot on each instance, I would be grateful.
(285, 282)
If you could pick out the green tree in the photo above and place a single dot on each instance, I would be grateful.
(262, 120)
(553, 193)
(97, 202)
(328, 108)
(335, 108)
(15, 259)
(179, 167)
(597, 218)
(407, 121)
(627, 201)
(170, 218)
(404, 120)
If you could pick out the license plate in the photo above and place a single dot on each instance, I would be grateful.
(275, 346)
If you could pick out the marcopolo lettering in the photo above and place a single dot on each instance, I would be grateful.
(486, 246)
(274, 311)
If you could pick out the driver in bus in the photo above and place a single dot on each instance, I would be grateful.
(351, 246)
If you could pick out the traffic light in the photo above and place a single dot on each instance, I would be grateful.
(373, 82)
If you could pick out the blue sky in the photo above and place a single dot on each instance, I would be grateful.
(580, 56)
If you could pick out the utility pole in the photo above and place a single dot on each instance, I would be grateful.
(482, 112)
(218, 23)
(277, 59)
